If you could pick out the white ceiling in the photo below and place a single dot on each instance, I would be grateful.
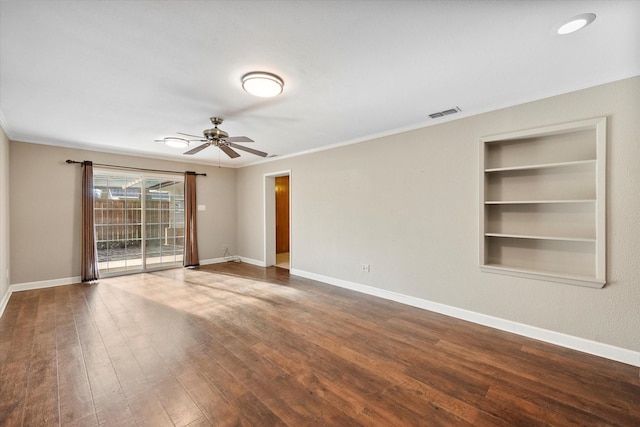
(116, 75)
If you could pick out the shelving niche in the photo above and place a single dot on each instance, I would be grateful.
(542, 203)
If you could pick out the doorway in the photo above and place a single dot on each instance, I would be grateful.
(277, 205)
(282, 221)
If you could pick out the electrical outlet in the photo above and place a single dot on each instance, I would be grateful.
(365, 268)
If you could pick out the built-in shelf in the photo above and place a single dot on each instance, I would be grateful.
(524, 236)
(535, 202)
(542, 203)
(542, 166)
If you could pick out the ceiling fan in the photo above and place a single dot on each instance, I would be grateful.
(222, 140)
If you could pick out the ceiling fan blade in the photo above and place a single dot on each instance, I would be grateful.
(197, 149)
(188, 134)
(249, 150)
(238, 139)
(229, 151)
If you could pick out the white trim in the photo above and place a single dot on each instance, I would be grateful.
(233, 258)
(252, 261)
(285, 172)
(5, 301)
(212, 261)
(269, 219)
(28, 286)
(576, 343)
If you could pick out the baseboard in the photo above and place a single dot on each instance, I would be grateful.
(253, 261)
(44, 284)
(212, 261)
(607, 351)
(232, 259)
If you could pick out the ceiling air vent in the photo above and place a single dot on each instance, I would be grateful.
(445, 112)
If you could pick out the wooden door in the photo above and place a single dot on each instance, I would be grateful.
(282, 214)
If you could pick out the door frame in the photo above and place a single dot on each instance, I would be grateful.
(269, 198)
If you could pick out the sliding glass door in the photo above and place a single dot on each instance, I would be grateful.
(164, 222)
(139, 222)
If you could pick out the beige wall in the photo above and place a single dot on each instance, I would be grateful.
(407, 205)
(45, 208)
(4, 215)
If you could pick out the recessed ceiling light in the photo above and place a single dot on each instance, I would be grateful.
(264, 85)
(176, 142)
(576, 23)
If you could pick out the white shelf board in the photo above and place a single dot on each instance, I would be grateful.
(524, 236)
(541, 166)
(536, 202)
(552, 276)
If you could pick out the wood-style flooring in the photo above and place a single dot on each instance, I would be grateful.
(237, 345)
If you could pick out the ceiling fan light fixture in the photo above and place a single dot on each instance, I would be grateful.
(576, 23)
(264, 85)
(176, 142)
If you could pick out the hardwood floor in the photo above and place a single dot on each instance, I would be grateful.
(237, 345)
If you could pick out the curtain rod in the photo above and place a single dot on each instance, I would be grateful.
(131, 168)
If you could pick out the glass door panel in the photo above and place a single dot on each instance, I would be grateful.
(139, 222)
(163, 201)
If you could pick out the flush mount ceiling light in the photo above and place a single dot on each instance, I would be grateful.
(576, 23)
(264, 85)
(176, 142)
